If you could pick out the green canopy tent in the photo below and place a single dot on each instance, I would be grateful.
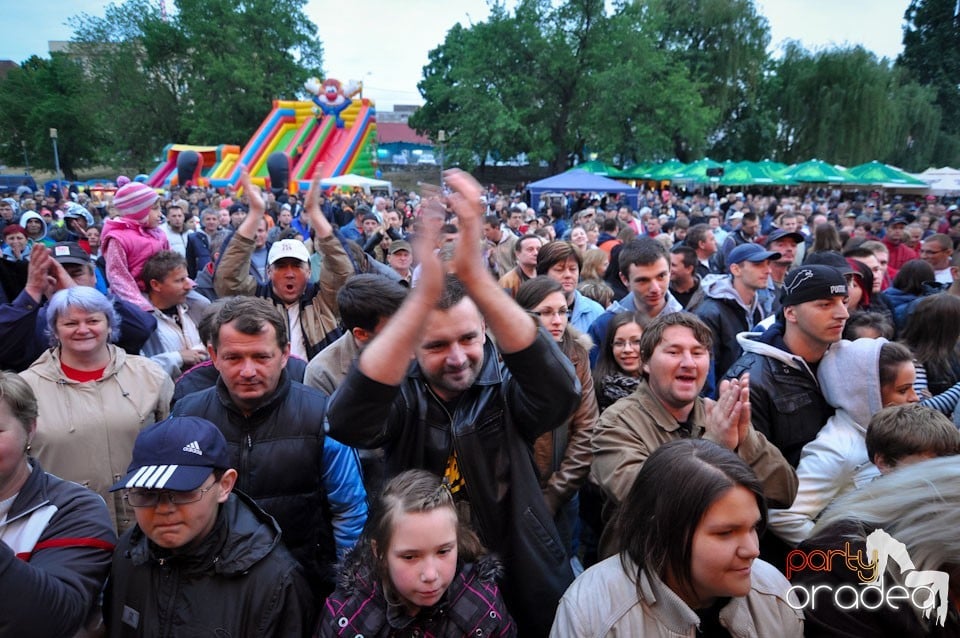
(664, 171)
(818, 172)
(879, 174)
(753, 174)
(637, 171)
(696, 172)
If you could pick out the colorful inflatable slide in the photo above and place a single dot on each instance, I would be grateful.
(290, 127)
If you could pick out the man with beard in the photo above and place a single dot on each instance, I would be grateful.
(459, 412)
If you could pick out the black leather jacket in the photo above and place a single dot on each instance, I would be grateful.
(491, 428)
(786, 403)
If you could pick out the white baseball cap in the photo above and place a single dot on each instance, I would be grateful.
(288, 248)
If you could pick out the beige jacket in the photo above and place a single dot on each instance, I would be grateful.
(604, 601)
(319, 314)
(636, 425)
(85, 431)
(327, 370)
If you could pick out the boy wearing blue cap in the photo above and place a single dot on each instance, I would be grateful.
(203, 559)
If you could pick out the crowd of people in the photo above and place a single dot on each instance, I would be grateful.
(461, 412)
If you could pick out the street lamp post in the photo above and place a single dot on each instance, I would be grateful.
(441, 136)
(26, 160)
(56, 158)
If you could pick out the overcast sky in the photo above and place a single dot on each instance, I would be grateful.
(385, 42)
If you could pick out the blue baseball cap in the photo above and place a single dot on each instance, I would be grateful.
(178, 453)
(753, 253)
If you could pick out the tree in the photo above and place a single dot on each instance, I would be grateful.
(931, 55)
(205, 75)
(848, 107)
(640, 103)
(137, 63)
(43, 94)
(558, 81)
(241, 55)
(722, 44)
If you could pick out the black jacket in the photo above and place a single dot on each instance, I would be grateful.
(239, 581)
(280, 454)
(786, 404)
(726, 317)
(471, 606)
(491, 429)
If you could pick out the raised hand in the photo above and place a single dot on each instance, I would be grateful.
(311, 205)
(253, 193)
(465, 201)
(37, 272)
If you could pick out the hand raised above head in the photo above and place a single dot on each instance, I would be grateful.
(465, 201)
(253, 193)
(311, 206)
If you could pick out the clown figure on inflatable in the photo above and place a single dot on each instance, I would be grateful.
(331, 97)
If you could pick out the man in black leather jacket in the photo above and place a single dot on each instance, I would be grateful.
(459, 412)
(785, 399)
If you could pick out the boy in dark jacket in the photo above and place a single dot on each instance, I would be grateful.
(202, 558)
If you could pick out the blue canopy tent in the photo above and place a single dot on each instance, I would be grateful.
(580, 181)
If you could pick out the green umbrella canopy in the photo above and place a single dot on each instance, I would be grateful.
(818, 172)
(696, 172)
(664, 171)
(878, 174)
(753, 174)
(637, 171)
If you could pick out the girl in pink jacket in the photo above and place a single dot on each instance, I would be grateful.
(129, 240)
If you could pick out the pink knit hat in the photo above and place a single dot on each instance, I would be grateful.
(134, 200)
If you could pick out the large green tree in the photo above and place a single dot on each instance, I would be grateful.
(848, 107)
(931, 55)
(722, 45)
(42, 94)
(561, 80)
(205, 74)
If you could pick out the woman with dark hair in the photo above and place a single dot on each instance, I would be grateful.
(909, 285)
(688, 556)
(563, 455)
(931, 332)
(825, 237)
(617, 372)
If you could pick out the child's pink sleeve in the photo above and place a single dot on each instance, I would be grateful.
(122, 283)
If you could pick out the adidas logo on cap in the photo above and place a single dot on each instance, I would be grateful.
(194, 448)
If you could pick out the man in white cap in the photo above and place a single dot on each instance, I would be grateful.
(203, 557)
(311, 309)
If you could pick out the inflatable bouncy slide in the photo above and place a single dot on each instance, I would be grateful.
(333, 131)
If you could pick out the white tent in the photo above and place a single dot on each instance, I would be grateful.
(943, 181)
(352, 181)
